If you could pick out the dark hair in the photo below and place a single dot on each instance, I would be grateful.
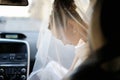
(70, 6)
(110, 20)
(67, 3)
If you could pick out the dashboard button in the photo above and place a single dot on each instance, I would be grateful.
(1, 77)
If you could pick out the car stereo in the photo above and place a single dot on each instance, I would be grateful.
(14, 59)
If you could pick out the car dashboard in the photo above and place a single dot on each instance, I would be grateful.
(17, 55)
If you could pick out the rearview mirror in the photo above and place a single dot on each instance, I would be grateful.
(14, 2)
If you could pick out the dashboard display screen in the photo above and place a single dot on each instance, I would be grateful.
(13, 36)
(13, 48)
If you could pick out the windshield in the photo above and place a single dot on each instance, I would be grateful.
(10, 11)
(17, 18)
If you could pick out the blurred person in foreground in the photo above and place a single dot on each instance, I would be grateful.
(104, 61)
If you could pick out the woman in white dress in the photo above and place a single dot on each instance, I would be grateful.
(61, 43)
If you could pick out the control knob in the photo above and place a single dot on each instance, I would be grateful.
(23, 70)
(1, 77)
(1, 70)
(23, 77)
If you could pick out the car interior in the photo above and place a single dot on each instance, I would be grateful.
(17, 41)
(50, 37)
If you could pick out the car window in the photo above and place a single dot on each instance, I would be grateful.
(17, 18)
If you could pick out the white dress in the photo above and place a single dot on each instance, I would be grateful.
(53, 58)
